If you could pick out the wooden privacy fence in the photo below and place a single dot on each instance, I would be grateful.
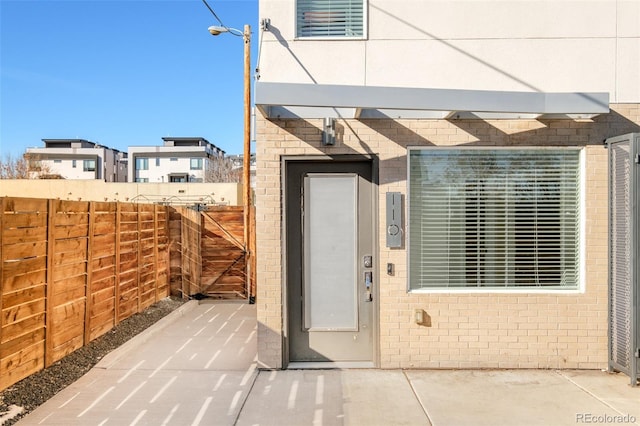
(214, 261)
(70, 271)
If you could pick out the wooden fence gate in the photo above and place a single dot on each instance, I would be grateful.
(215, 260)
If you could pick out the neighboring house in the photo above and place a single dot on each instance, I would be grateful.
(432, 181)
(78, 159)
(184, 159)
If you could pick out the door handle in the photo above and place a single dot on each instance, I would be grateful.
(368, 282)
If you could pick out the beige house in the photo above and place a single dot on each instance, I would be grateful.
(432, 184)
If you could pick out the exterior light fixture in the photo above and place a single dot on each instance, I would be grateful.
(329, 131)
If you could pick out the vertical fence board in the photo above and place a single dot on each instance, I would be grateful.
(117, 280)
(155, 252)
(88, 304)
(140, 260)
(48, 352)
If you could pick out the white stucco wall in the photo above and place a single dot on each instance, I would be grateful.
(65, 169)
(559, 45)
(182, 165)
(160, 173)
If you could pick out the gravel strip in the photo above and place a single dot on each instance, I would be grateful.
(36, 389)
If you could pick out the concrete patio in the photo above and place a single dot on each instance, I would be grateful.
(197, 366)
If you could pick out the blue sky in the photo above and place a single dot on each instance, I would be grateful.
(121, 72)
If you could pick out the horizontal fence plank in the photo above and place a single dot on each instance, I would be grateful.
(18, 297)
(70, 231)
(21, 342)
(20, 328)
(23, 235)
(22, 250)
(17, 313)
(24, 220)
(17, 205)
(12, 283)
(24, 266)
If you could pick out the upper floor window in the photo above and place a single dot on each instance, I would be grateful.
(142, 163)
(89, 165)
(330, 18)
(196, 164)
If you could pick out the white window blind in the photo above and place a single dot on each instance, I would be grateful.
(494, 218)
(330, 18)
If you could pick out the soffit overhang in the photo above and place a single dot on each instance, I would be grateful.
(310, 101)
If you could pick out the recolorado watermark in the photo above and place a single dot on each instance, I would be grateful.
(590, 418)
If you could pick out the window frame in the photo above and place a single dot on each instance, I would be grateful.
(581, 262)
(144, 161)
(200, 163)
(365, 26)
(86, 168)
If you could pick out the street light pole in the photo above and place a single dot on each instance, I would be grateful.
(246, 159)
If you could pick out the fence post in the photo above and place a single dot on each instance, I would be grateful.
(184, 239)
(116, 293)
(139, 254)
(155, 251)
(167, 254)
(88, 303)
(48, 338)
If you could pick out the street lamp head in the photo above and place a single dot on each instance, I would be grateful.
(215, 30)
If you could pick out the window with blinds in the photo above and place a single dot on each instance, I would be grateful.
(494, 218)
(330, 18)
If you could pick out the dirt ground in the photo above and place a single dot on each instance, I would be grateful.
(34, 390)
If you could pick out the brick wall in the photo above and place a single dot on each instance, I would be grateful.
(488, 330)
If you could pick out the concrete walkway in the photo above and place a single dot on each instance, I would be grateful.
(197, 366)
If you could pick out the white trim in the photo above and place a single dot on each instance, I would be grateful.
(489, 290)
(582, 267)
